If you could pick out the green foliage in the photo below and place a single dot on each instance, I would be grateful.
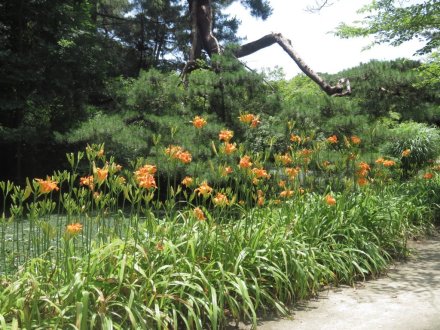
(380, 87)
(230, 92)
(156, 93)
(394, 22)
(52, 64)
(311, 111)
(429, 72)
(423, 142)
(125, 141)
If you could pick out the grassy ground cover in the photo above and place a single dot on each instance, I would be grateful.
(171, 243)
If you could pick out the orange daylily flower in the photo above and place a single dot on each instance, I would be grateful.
(220, 200)
(204, 189)
(185, 157)
(187, 181)
(198, 213)
(255, 122)
(245, 162)
(144, 176)
(47, 186)
(330, 200)
(362, 181)
(227, 170)
(74, 228)
(87, 181)
(406, 152)
(355, 139)
(305, 152)
(283, 159)
(332, 139)
(147, 182)
(225, 135)
(173, 150)
(292, 172)
(260, 173)
(198, 122)
(177, 152)
(364, 168)
(102, 174)
(230, 148)
(247, 118)
(286, 193)
(295, 138)
(428, 176)
(389, 163)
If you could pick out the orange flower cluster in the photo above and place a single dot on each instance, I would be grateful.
(386, 163)
(245, 162)
(295, 138)
(220, 200)
(87, 181)
(251, 119)
(198, 122)
(286, 193)
(204, 189)
(101, 174)
(330, 200)
(47, 186)
(145, 176)
(74, 228)
(283, 159)
(225, 135)
(428, 176)
(355, 139)
(187, 181)
(260, 173)
(292, 172)
(406, 152)
(198, 213)
(364, 168)
(177, 152)
(230, 148)
(389, 163)
(305, 152)
(362, 173)
(227, 170)
(332, 139)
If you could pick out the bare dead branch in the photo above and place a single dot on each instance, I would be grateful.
(319, 5)
(286, 45)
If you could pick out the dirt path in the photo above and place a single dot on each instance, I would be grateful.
(408, 298)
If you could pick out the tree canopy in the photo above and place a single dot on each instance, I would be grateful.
(395, 22)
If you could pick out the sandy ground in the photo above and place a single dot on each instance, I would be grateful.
(408, 298)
